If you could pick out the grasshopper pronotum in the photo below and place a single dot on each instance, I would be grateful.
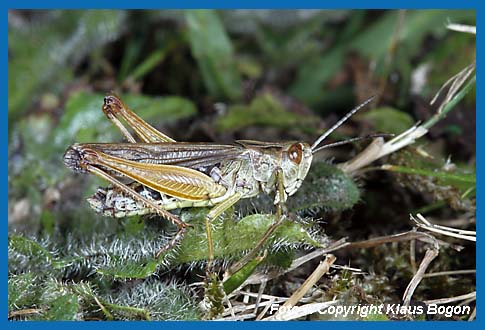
(193, 174)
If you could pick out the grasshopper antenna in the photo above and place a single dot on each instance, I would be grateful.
(339, 123)
(336, 144)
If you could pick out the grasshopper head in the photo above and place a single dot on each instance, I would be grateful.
(296, 161)
(297, 156)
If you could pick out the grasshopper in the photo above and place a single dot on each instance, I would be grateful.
(167, 175)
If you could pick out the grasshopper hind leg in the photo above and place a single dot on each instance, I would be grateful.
(113, 108)
(137, 196)
(101, 202)
(172, 243)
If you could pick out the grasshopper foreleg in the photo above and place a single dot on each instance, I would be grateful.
(281, 214)
(281, 209)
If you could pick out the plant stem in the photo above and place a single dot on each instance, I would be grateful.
(440, 115)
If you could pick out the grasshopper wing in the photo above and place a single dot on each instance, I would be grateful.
(192, 155)
(176, 181)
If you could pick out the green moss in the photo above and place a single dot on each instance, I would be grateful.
(325, 187)
(23, 291)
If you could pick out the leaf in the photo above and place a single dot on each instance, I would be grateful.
(213, 51)
(29, 247)
(37, 254)
(123, 268)
(131, 53)
(249, 67)
(43, 56)
(154, 59)
(152, 299)
(446, 61)
(65, 308)
(233, 238)
(23, 291)
(165, 109)
(264, 110)
(213, 297)
(36, 165)
(462, 181)
(83, 121)
(238, 278)
(373, 42)
(455, 186)
(278, 49)
(388, 120)
(48, 220)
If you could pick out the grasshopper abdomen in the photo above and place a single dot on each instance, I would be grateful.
(73, 159)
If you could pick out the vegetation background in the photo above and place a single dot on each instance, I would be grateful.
(268, 75)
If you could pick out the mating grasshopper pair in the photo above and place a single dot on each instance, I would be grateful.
(191, 174)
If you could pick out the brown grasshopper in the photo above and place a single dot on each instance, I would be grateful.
(170, 175)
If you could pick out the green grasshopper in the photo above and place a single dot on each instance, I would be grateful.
(168, 175)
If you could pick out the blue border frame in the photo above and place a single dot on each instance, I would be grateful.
(257, 4)
(247, 4)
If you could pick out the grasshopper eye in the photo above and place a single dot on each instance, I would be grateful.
(295, 153)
